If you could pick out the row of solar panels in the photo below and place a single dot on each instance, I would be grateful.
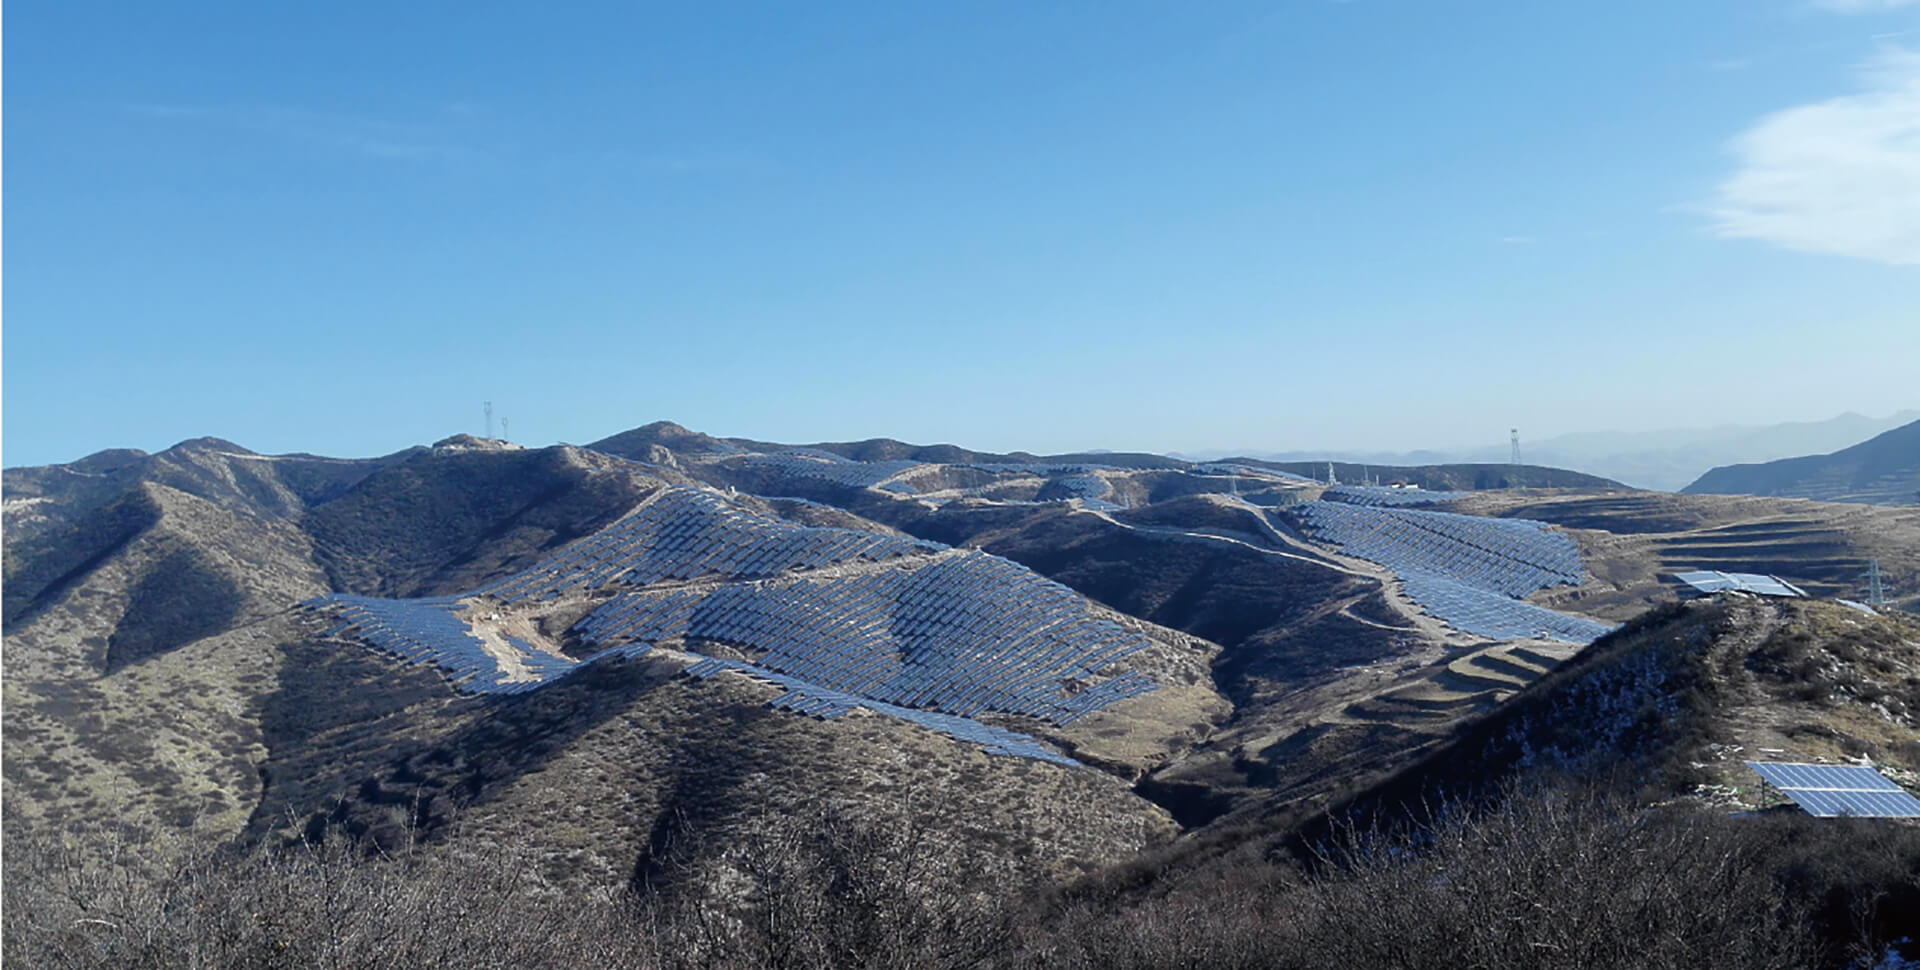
(1510, 556)
(426, 631)
(1080, 482)
(841, 471)
(1092, 491)
(1377, 496)
(1468, 571)
(1831, 791)
(1493, 615)
(823, 702)
(687, 533)
(1713, 581)
(1249, 471)
(970, 633)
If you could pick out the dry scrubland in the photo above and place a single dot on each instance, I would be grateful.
(1544, 878)
(195, 776)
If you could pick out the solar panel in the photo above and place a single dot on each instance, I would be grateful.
(1828, 791)
(1714, 581)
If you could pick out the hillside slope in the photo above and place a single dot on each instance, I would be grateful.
(1073, 658)
(162, 676)
(1882, 470)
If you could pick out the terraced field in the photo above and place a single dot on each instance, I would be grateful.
(1467, 684)
(1817, 557)
(1634, 542)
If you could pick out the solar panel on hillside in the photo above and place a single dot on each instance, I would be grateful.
(1828, 791)
(1714, 581)
(1469, 571)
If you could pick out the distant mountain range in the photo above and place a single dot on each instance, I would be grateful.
(1884, 470)
(1666, 460)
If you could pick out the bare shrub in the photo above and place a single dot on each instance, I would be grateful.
(826, 891)
(1554, 879)
(1544, 879)
(329, 906)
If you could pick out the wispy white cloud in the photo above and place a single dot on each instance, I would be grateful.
(1838, 176)
(1862, 6)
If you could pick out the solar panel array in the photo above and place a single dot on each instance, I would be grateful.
(1713, 581)
(1467, 570)
(1230, 468)
(1829, 791)
(825, 466)
(968, 634)
(1510, 556)
(1376, 496)
(1492, 615)
(1092, 491)
(932, 640)
(426, 631)
(1079, 479)
(825, 703)
(687, 533)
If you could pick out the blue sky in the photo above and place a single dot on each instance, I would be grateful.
(1156, 226)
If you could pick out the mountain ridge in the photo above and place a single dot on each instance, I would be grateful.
(1884, 469)
(1666, 460)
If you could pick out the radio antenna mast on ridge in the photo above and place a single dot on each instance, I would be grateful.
(488, 407)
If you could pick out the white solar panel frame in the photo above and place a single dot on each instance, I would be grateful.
(1831, 791)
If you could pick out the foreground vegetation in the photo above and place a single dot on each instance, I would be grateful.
(1544, 879)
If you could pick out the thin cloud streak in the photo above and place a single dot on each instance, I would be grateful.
(1840, 176)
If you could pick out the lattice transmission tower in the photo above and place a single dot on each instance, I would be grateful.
(487, 406)
(1876, 593)
(1513, 462)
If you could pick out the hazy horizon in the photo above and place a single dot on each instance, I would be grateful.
(1349, 226)
(1496, 448)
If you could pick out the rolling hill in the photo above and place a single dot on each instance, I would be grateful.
(1051, 664)
(1883, 470)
